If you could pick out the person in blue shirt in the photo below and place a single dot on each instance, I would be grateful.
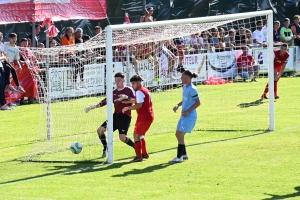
(190, 101)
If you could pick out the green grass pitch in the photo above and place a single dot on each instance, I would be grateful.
(245, 164)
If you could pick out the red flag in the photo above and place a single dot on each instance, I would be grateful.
(15, 11)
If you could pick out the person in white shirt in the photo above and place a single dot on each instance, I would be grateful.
(258, 36)
(265, 30)
(11, 53)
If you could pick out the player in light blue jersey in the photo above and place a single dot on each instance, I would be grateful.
(190, 101)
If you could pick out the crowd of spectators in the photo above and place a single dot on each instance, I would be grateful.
(217, 39)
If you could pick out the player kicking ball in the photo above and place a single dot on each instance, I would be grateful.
(121, 120)
(190, 101)
(280, 59)
(145, 117)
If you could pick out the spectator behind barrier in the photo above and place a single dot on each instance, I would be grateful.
(286, 33)
(246, 65)
(230, 41)
(258, 36)
(295, 27)
(276, 34)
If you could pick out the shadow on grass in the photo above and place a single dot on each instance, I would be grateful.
(143, 171)
(87, 167)
(285, 196)
(254, 103)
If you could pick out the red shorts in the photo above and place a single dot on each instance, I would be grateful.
(142, 127)
(277, 69)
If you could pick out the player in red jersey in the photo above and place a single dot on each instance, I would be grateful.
(121, 120)
(145, 117)
(280, 59)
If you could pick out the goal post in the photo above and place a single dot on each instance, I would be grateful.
(271, 72)
(178, 30)
(76, 77)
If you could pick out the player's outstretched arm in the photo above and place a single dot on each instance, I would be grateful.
(98, 105)
(91, 107)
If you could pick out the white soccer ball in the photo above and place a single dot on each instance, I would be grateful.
(76, 147)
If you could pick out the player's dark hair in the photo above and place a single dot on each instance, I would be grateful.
(245, 47)
(24, 40)
(136, 78)
(284, 45)
(12, 35)
(120, 74)
(190, 74)
(286, 20)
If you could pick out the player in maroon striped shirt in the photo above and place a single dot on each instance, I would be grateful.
(121, 120)
(145, 117)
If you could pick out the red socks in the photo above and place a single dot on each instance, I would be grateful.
(266, 89)
(275, 89)
(137, 148)
(143, 143)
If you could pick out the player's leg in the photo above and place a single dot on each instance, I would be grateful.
(139, 140)
(185, 125)
(123, 124)
(143, 140)
(101, 134)
(264, 95)
(276, 79)
(137, 148)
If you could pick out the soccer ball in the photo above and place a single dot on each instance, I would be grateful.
(76, 147)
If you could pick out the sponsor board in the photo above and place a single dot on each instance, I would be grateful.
(222, 64)
(61, 82)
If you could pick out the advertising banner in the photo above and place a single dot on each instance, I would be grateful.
(62, 84)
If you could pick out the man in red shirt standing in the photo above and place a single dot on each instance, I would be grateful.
(246, 65)
(145, 117)
(280, 59)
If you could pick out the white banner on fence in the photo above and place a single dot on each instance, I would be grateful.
(297, 60)
(261, 56)
(147, 68)
(222, 64)
(62, 85)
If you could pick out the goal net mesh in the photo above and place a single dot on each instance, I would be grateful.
(73, 77)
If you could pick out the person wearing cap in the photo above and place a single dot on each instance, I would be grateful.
(78, 35)
(147, 18)
(145, 117)
(187, 121)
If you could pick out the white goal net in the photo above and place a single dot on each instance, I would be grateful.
(73, 77)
